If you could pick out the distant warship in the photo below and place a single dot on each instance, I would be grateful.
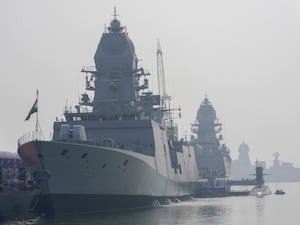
(117, 151)
(242, 167)
(282, 171)
(279, 171)
(213, 156)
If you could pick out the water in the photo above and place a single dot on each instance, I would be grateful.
(246, 210)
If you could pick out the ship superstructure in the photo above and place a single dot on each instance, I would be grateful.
(113, 152)
(212, 155)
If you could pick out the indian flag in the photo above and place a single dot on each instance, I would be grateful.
(33, 109)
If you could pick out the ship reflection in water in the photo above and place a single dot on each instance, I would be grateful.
(190, 212)
(244, 210)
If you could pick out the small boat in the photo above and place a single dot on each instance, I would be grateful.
(279, 192)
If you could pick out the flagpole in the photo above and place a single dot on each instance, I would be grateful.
(37, 113)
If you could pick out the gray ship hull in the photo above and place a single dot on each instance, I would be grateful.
(85, 178)
(55, 204)
(260, 191)
(16, 204)
(218, 163)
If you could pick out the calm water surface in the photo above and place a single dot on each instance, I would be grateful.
(248, 210)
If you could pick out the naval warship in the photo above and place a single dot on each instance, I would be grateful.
(116, 150)
(212, 154)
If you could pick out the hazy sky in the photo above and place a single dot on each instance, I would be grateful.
(244, 54)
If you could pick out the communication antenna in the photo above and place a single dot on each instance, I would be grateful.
(115, 13)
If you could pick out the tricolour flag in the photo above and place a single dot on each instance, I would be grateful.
(33, 109)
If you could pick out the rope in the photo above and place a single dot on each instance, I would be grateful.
(6, 182)
(36, 201)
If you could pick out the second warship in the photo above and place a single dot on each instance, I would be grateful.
(212, 155)
(117, 151)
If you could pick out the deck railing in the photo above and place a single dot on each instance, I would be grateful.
(30, 136)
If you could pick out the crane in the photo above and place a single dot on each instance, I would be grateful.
(161, 77)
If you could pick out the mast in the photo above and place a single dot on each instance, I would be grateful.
(38, 129)
(37, 113)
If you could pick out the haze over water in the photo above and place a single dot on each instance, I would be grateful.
(244, 54)
(248, 210)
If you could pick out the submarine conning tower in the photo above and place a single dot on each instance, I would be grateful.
(259, 175)
(117, 74)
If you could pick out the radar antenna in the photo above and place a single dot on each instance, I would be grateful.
(276, 161)
(276, 155)
(115, 13)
